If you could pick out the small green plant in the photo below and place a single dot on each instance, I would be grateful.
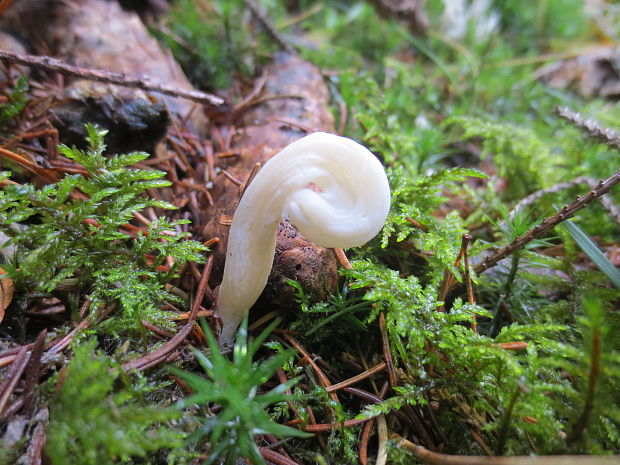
(234, 385)
(15, 102)
(97, 417)
(521, 157)
(71, 233)
(213, 41)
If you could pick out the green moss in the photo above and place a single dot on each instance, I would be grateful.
(70, 233)
(97, 417)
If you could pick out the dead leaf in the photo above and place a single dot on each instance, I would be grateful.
(593, 73)
(6, 293)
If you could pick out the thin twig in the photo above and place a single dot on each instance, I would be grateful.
(270, 28)
(357, 378)
(387, 353)
(33, 372)
(595, 361)
(121, 79)
(322, 378)
(366, 432)
(435, 458)
(611, 208)
(275, 457)
(162, 353)
(568, 211)
(13, 376)
(382, 432)
(342, 258)
(331, 426)
(590, 127)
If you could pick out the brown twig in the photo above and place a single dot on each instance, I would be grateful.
(568, 211)
(162, 353)
(342, 258)
(357, 378)
(274, 457)
(590, 127)
(35, 451)
(322, 377)
(331, 426)
(249, 179)
(48, 175)
(435, 458)
(270, 28)
(447, 275)
(519, 345)
(364, 442)
(13, 376)
(595, 361)
(483, 445)
(53, 64)
(611, 208)
(33, 372)
(387, 353)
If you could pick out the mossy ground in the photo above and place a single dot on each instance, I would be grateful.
(526, 364)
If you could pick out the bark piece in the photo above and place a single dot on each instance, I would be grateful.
(594, 73)
(265, 128)
(8, 72)
(100, 34)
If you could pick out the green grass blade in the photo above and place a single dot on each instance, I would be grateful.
(594, 253)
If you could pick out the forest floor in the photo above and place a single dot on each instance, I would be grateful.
(478, 327)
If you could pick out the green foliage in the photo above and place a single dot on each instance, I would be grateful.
(341, 306)
(349, 34)
(417, 199)
(98, 417)
(213, 41)
(70, 233)
(594, 253)
(541, 22)
(234, 385)
(15, 102)
(530, 395)
(521, 158)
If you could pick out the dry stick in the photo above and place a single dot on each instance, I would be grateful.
(568, 211)
(483, 445)
(13, 376)
(357, 378)
(162, 353)
(29, 165)
(53, 64)
(387, 353)
(447, 275)
(470, 290)
(270, 28)
(342, 258)
(249, 179)
(331, 426)
(530, 199)
(592, 128)
(435, 458)
(363, 454)
(364, 442)
(322, 378)
(582, 422)
(33, 372)
(382, 454)
(274, 457)
(35, 451)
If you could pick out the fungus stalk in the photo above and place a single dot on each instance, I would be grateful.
(332, 189)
